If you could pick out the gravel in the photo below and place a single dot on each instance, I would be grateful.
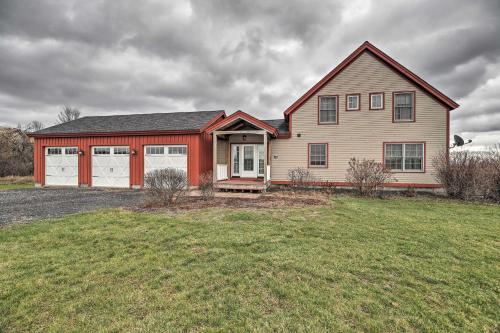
(34, 204)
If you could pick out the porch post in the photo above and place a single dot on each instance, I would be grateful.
(214, 156)
(265, 159)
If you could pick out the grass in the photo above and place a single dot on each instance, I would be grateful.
(17, 186)
(15, 182)
(353, 265)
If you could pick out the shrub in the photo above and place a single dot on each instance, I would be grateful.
(300, 178)
(165, 186)
(470, 175)
(207, 185)
(367, 176)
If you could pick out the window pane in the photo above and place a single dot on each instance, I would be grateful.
(102, 151)
(376, 101)
(236, 160)
(414, 156)
(394, 156)
(352, 102)
(71, 151)
(317, 155)
(248, 158)
(328, 103)
(121, 151)
(403, 106)
(177, 150)
(261, 159)
(328, 116)
(328, 109)
(54, 151)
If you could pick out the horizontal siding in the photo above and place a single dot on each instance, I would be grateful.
(136, 143)
(361, 133)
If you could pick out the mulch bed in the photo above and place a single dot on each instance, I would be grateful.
(270, 200)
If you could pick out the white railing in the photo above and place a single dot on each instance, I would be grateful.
(268, 173)
(221, 171)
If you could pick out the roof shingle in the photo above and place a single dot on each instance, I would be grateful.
(175, 121)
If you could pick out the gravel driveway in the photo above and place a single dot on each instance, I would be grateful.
(33, 204)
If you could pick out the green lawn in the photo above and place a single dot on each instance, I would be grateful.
(15, 186)
(354, 265)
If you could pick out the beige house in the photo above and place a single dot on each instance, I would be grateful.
(369, 107)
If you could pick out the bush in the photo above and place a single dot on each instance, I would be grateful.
(207, 186)
(165, 186)
(16, 153)
(367, 176)
(470, 175)
(300, 178)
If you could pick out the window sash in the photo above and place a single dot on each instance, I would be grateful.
(328, 109)
(177, 150)
(71, 151)
(121, 151)
(352, 102)
(54, 151)
(376, 101)
(317, 155)
(403, 107)
(155, 150)
(404, 156)
(102, 151)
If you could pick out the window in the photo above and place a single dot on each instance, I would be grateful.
(404, 156)
(328, 106)
(248, 158)
(376, 101)
(404, 106)
(352, 102)
(54, 151)
(318, 155)
(155, 150)
(181, 150)
(121, 151)
(102, 151)
(71, 151)
(236, 159)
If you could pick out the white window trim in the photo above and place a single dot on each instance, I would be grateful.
(381, 107)
(357, 102)
(422, 170)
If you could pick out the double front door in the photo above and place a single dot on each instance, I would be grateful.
(247, 160)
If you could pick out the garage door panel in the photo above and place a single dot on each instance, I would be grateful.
(110, 169)
(61, 169)
(162, 159)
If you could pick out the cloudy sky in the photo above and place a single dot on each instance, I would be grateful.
(110, 57)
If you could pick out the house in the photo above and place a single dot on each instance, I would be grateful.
(369, 106)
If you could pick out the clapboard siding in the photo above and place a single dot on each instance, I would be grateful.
(362, 133)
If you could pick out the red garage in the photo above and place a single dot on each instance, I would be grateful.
(116, 151)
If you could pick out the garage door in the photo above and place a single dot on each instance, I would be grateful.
(61, 166)
(111, 166)
(161, 157)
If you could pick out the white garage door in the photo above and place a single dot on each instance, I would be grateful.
(161, 157)
(61, 166)
(111, 166)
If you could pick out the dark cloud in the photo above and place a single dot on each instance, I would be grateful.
(259, 56)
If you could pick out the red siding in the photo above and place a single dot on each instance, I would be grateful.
(199, 154)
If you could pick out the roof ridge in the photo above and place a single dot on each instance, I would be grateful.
(151, 113)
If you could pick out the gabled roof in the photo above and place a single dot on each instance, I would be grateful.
(174, 122)
(240, 115)
(367, 46)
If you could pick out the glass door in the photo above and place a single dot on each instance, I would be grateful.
(249, 169)
(235, 160)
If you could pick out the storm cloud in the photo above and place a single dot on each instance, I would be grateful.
(112, 57)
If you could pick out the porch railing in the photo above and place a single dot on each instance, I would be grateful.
(221, 171)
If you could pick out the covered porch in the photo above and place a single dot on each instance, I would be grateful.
(241, 153)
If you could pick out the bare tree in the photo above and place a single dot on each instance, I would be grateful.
(68, 114)
(34, 126)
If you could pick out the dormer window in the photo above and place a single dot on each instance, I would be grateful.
(352, 102)
(328, 110)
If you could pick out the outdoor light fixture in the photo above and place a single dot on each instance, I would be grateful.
(80, 152)
(133, 152)
(244, 137)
